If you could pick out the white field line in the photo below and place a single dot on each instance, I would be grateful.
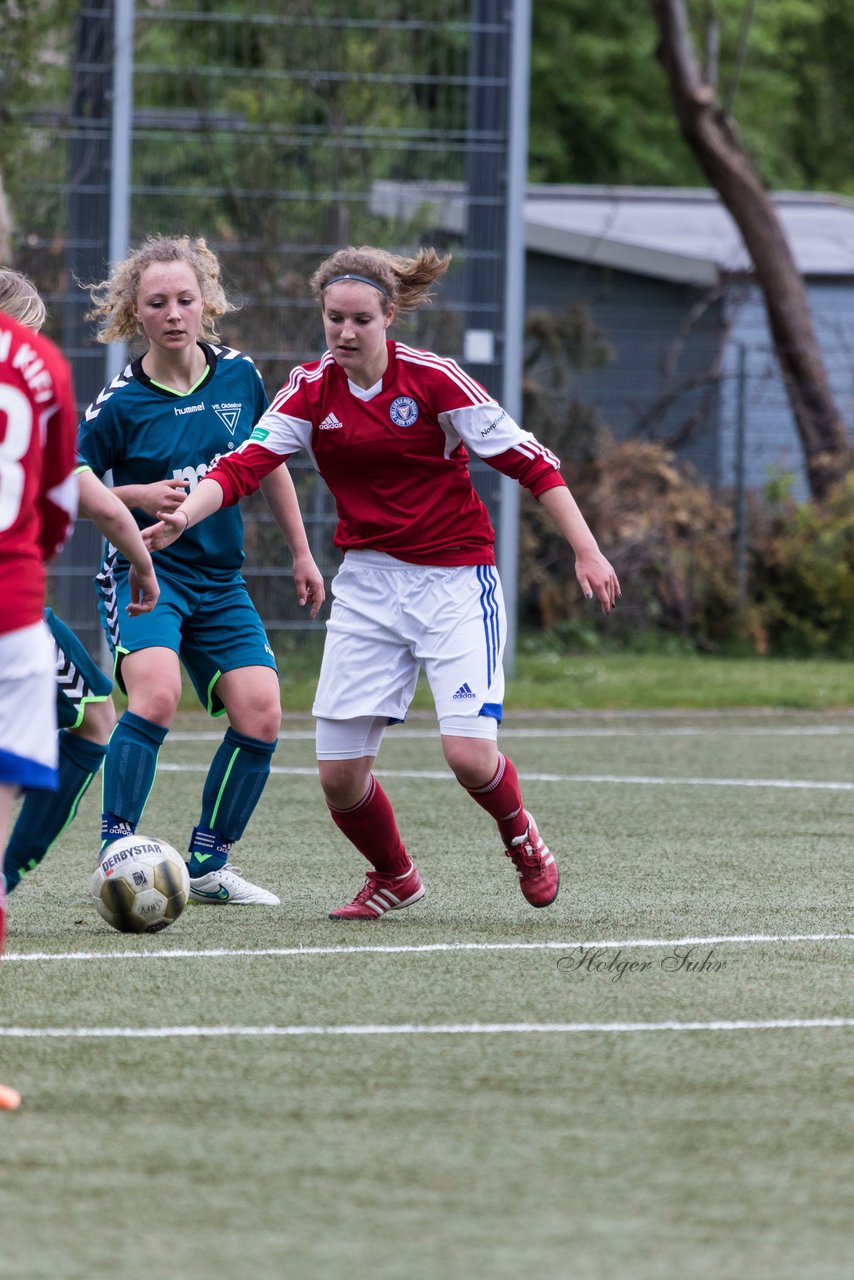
(572, 731)
(419, 1029)
(22, 957)
(445, 775)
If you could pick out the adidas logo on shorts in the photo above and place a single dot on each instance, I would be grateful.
(464, 692)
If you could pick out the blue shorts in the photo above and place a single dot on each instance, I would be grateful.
(212, 627)
(79, 679)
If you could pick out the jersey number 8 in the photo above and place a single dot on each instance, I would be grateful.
(15, 407)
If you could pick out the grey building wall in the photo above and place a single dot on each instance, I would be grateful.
(662, 378)
(675, 369)
(771, 442)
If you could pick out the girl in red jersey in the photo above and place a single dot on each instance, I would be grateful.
(390, 429)
(38, 502)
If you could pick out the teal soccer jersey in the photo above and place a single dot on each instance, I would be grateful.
(144, 433)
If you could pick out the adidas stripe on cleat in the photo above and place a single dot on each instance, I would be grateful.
(380, 894)
(539, 878)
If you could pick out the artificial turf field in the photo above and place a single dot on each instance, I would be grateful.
(468, 1088)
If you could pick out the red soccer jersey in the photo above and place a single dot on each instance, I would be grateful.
(38, 491)
(396, 457)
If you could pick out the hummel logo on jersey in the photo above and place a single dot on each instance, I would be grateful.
(330, 423)
(464, 692)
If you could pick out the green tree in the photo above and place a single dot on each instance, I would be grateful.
(597, 112)
(600, 114)
(820, 64)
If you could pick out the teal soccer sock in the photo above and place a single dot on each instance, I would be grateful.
(233, 787)
(129, 773)
(45, 815)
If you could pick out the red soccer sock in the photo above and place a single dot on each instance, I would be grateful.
(371, 826)
(502, 800)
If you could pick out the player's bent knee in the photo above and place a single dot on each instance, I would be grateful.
(473, 761)
(269, 725)
(157, 705)
(261, 719)
(99, 721)
(344, 782)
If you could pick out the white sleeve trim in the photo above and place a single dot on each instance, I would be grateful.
(281, 434)
(487, 430)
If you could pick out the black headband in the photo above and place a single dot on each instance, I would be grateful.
(361, 279)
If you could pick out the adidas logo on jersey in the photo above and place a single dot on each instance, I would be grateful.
(464, 692)
(330, 423)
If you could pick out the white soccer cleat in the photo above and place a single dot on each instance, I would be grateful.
(227, 886)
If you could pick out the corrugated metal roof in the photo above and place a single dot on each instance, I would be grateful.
(680, 233)
(672, 233)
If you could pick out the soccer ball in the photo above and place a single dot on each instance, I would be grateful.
(141, 884)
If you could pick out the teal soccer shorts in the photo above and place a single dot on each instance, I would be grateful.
(79, 679)
(213, 627)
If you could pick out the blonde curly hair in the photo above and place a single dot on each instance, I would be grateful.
(404, 283)
(114, 299)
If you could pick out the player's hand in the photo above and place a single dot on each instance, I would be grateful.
(596, 577)
(164, 495)
(308, 581)
(144, 590)
(169, 530)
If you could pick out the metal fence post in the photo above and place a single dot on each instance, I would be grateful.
(741, 479)
(514, 309)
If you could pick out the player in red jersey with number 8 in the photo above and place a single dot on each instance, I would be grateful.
(390, 429)
(38, 503)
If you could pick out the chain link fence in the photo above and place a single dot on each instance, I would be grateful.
(280, 136)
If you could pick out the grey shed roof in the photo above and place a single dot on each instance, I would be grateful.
(673, 233)
(681, 234)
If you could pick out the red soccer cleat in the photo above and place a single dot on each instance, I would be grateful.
(380, 894)
(539, 878)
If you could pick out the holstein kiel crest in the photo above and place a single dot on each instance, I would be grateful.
(403, 411)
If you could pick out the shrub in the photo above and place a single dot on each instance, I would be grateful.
(668, 537)
(802, 573)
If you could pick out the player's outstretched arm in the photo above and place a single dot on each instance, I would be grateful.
(164, 495)
(594, 573)
(280, 496)
(112, 518)
(205, 499)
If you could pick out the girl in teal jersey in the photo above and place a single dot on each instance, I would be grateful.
(158, 427)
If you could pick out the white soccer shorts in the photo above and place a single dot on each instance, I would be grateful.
(390, 619)
(28, 742)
